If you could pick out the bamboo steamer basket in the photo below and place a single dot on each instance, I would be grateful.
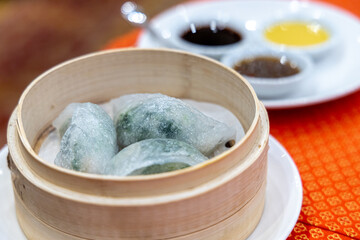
(222, 198)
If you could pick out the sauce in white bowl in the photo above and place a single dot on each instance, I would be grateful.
(210, 34)
(312, 35)
(271, 73)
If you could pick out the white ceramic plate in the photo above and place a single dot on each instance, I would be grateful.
(334, 76)
(282, 205)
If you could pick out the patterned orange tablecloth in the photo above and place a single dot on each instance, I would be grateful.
(324, 141)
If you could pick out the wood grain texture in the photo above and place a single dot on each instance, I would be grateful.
(227, 229)
(210, 199)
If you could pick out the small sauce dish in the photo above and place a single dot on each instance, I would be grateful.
(272, 73)
(207, 34)
(301, 32)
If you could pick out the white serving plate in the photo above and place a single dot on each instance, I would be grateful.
(282, 204)
(334, 76)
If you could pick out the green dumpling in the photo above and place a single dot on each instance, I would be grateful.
(89, 139)
(145, 116)
(153, 156)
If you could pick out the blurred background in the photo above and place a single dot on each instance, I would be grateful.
(35, 35)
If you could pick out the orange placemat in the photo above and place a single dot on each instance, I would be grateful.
(324, 141)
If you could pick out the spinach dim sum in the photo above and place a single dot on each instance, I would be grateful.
(149, 134)
(145, 116)
(153, 156)
(88, 138)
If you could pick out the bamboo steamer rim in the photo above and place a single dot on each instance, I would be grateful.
(27, 145)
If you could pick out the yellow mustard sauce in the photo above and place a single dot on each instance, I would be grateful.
(297, 33)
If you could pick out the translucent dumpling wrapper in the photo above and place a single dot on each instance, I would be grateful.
(144, 116)
(153, 156)
(89, 141)
(62, 122)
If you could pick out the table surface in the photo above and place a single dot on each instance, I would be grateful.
(324, 141)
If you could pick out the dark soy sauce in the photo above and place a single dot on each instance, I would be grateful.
(211, 36)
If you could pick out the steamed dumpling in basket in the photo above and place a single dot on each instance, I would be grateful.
(89, 138)
(153, 156)
(145, 116)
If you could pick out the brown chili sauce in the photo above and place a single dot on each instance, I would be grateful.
(266, 67)
(205, 35)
